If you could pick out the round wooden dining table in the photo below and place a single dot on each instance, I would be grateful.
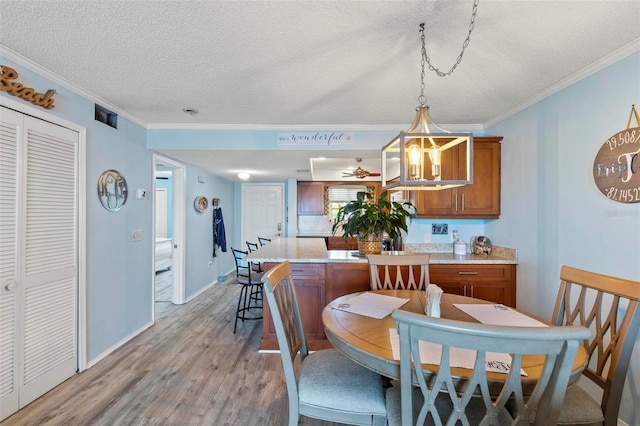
(366, 340)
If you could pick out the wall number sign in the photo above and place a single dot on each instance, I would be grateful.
(616, 168)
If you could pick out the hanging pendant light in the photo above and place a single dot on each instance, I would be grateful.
(428, 157)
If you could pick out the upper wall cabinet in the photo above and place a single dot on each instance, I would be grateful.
(478, 201)
(310, 198)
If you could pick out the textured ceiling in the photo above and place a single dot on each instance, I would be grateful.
(312, 63)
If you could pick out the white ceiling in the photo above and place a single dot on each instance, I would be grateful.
(311, 63)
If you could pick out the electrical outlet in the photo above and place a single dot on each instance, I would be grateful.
(427, 237)
(439, 228)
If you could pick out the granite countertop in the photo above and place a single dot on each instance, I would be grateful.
(313, 250)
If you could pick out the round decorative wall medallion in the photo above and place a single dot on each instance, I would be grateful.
(112, 190)
(616, 168)
(201, 203)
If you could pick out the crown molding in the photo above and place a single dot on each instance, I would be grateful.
(304, 127)
(604, 62)
(55, 78)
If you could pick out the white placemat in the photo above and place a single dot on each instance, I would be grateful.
(430, 353)
(498, 315)
(371, 305)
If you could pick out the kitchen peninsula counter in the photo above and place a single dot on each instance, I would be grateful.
(314, 250)
(322, 275)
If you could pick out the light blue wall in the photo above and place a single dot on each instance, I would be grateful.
(199, 232)
(552, 210)
(119, 271)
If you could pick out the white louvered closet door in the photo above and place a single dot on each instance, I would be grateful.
(38, 267)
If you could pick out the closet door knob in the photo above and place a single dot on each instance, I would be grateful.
(10, 287)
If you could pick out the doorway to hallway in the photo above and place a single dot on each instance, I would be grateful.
(169, 232)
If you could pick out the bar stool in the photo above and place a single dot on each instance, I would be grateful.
(250, 299)
(256, 266)
(264, 241)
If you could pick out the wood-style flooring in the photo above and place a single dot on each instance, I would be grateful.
(187, 369)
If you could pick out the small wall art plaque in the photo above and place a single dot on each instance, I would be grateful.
(616, 168)
(201, 204)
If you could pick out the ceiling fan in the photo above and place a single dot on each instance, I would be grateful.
(359, 172)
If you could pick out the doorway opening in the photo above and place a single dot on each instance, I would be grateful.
(169, 231)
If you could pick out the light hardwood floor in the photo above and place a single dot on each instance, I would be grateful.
(187, 369)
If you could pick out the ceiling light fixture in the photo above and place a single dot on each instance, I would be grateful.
(420, 146)
(244, 175)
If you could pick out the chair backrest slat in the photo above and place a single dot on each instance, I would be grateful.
(399, 271)
(608, 306)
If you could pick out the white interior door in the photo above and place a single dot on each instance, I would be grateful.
(39, 263)
(262, 211)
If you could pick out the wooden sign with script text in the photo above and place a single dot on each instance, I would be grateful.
(616, 168)
(7, 84)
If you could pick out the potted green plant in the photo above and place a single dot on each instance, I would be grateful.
(369, 220)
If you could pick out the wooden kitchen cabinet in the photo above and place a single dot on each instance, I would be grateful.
(309, 279)
(492, 282)
(481, 200)
(338, 243)
(346, 278)
(311, 198)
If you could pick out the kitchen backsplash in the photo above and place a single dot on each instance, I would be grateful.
(314, 224)
(420, 230)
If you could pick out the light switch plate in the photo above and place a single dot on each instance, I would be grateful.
(141, 193)
(136, 235)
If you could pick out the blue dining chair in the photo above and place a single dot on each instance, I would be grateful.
(443, 398)
(328, 385)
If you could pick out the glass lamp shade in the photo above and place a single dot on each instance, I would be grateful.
(419, 159)
(427, 161)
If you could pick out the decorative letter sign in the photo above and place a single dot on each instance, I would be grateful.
(7, 74)
(316, 138)
(616, 169)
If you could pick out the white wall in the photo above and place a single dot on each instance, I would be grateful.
(552, 210)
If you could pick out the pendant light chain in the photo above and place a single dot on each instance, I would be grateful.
(426, 60)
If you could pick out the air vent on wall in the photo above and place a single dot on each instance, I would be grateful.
(107, 117)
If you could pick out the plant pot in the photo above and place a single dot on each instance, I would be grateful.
(370, 244)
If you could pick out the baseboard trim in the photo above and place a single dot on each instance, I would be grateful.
(107, 352)
(202, 290)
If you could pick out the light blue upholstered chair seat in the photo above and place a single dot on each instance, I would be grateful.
(329, 380)
(327, 385)
(579, 408)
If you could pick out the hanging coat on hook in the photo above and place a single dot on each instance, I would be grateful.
(219, 237)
